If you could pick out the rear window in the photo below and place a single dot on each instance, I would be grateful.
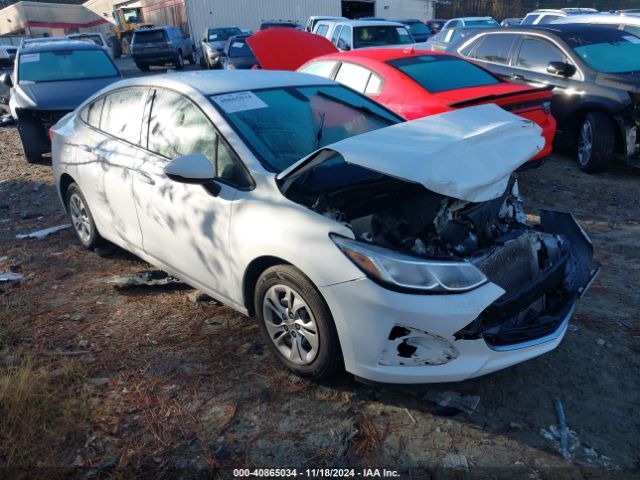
(65, 65)
(440, 73)
(418, 28)
(150, 36)
(239, 48)
(481, 23)
(380, 35)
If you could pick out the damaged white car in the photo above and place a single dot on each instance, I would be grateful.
(397, 250)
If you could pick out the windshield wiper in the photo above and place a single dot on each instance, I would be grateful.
(319, 132)
(360, 108)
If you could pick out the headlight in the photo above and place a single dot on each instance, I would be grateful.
(400, 271)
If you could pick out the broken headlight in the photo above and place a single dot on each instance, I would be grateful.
(405, 272)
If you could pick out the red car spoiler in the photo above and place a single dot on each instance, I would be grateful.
(522, 97)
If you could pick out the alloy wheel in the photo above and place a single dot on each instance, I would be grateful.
(290, 324)
(80, 218)
(585, 143)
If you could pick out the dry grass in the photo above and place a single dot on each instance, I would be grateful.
(41, 408)
(16, 319)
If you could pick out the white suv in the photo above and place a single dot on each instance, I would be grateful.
(547, 15)
(354, 34)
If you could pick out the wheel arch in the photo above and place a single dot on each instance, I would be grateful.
(251, 275)
(65, 181)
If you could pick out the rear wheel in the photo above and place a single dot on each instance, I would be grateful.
(296, 323)
(82, 219)
(596, 142)
(179, 63)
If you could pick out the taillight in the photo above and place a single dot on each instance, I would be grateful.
(51, 134)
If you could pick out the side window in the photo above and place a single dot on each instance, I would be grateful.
(91, 113)
(353, 76)
(322, 30)
(323, 68)
(344, 42)
(454, 24)
(536, 54)
(177, 127)
(336, 33)
(633, 29)
(122, 114)
(374, 87)
(495, 48)
(529, 19)
(548, 19)
(467, 50)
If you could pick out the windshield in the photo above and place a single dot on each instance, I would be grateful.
(379, 35)
(608, 51)
(418, 28)
(131, 15)
(221, 34)
(65, 65)
(440, 73)
(481, 23)
(239, 48)
(284, 125)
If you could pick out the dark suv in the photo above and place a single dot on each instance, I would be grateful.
(595, 72)
(160, 46)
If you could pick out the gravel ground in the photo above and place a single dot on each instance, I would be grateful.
(173, 385)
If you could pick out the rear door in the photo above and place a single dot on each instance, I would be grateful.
(112, 146)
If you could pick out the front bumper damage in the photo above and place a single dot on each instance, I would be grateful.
(33, 126)
(538, 310)
(395, 337)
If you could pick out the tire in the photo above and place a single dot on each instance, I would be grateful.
(142, 67)
(28, 136)
(192, 57)
(203, 62)
(305, 340)
(179, 63)
(596, 142)
(32, 157)
(82, 219)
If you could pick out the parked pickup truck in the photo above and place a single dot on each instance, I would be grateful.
(160, 46)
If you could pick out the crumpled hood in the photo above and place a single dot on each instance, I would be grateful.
(272, 48)
(467, 154)
(64, 95)
(623, 81)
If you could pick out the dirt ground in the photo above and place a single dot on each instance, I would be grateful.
(95, 381)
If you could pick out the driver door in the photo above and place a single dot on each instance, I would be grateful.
(184, 226)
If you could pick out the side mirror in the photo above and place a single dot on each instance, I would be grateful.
(561, 68)
(194, 168)
(5, 78)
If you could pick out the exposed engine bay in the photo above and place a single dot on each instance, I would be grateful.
(542, 268)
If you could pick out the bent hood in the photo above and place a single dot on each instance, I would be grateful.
(63, 95)
(467, 154)
(287, 48)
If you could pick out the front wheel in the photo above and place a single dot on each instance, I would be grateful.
(82, 219)
(596, 142)
(296, 323)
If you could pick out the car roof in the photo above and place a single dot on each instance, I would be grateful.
(217, 82)
(473, 18)
(370, 23)
(57, 45)
(601, 18)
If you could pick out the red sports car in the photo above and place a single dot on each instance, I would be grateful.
(413, 83)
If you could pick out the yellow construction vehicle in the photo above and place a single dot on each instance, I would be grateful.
(128, 17)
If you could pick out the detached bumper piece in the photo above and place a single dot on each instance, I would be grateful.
(33, 126)
(541, 295)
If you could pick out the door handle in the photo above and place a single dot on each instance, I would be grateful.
(146, 178)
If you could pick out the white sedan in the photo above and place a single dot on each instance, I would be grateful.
(397, 250)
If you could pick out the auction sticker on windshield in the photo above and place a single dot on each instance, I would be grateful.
(30, 58)
(239, 102)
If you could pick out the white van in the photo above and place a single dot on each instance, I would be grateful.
(354, 34)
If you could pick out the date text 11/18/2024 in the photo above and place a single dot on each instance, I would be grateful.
(315, 473)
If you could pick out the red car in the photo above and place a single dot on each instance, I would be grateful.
(412, 83)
